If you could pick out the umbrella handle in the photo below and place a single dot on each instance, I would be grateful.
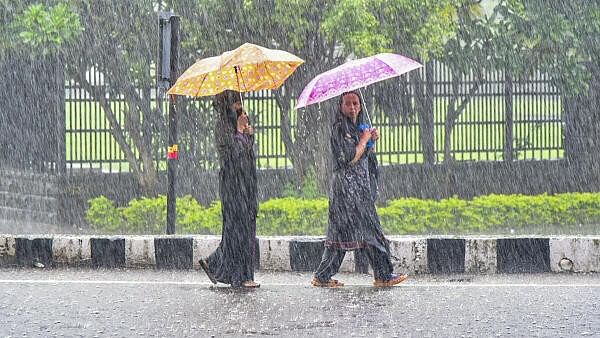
(365, 104)
(238, 74)
(371, 143)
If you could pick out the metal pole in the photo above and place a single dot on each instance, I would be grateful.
(173, 147)
(365, 106)
(508, 116)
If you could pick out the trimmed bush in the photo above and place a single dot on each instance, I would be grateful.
(301, 216)
(103, 215)
(292, 216)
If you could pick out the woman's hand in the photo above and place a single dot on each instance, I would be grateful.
(242, 123)
(249, 130)
(365, 136)
(374, 134)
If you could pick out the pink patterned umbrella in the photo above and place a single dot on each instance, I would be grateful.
(353, 75)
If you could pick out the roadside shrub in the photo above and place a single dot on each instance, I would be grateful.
(103, 215)
(302, 216)
(292, 216)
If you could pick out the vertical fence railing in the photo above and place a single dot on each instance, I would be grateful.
(506, 119)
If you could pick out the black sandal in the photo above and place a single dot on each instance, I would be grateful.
(209, 274)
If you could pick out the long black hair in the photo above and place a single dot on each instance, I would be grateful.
(222, 104)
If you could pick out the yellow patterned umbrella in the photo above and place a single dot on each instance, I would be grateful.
(246, 68)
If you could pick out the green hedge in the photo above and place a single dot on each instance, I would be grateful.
(299, 216)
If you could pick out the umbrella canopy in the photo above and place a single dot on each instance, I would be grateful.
(246, 68)
(353, 75)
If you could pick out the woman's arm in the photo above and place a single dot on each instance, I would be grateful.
(344, 147)
(361, 147)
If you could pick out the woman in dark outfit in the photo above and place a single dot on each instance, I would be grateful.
(353, 220)
(233, 261)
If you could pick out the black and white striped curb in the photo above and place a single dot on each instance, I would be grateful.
(413, 255)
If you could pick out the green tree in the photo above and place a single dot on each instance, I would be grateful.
(214, 26)
(468, 55)
(562, 39)
(518, 39)
(46, 30)
(37, 30)
(325, 34)
(119, 41)
(32, 37)
(420, 30)
(425, 30)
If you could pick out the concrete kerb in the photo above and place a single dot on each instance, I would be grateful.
(32, 250)
(71, 250)
(108, 251)
(410, 254)
(481, 256)
(7, 250)
(275, 253)
(203, 247)
(139, 251)
(575, 254)
(174, 252)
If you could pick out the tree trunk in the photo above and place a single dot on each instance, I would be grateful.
(323, 159)
(582, 119)
(454, 113)
(425, 113)
(144, 173)
(308, 147)
(448, 128)
(296, 150)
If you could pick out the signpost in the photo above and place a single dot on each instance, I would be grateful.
(167, 73)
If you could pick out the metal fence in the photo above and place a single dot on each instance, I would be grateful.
(521, 120)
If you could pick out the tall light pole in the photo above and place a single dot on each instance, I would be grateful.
(168, 67)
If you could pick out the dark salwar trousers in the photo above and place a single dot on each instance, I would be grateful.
(379, 258)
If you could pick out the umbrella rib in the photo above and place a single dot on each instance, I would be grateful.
(238, 70)
(242, 77)
(201, 83)
(272, 77)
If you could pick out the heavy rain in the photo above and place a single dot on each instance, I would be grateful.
(299, 168)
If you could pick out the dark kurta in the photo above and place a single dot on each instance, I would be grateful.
(233, 261)
(353, 220)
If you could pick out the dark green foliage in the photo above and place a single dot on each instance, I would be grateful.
(551, 214)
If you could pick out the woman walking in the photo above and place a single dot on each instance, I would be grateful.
(233, 261)
(353, 220)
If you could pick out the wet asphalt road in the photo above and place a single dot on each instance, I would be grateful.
(147, 303)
